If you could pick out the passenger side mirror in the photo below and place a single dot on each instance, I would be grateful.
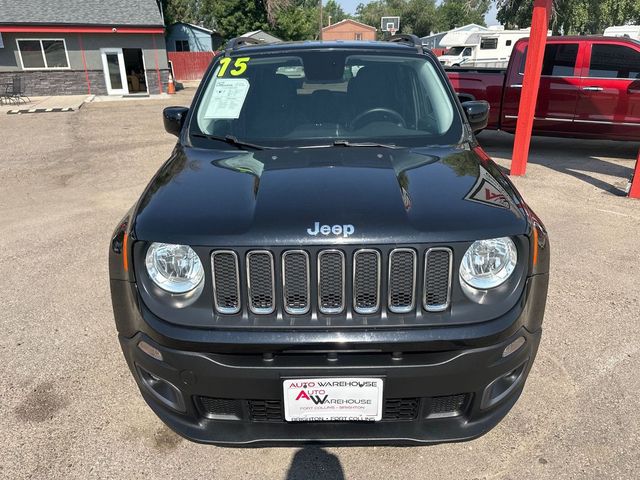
(477, 112)
(174, 119)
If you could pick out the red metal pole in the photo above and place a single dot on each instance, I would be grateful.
(634, 192)
(84, 63)
(155, 52)
(530, 85)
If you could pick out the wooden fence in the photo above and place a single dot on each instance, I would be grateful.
(190, 65)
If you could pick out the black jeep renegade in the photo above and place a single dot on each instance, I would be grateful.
(329, 256)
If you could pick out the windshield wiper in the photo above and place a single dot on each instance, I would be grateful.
(231, 140)
(346, 143)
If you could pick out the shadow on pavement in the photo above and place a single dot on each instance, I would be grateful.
(314, 462)
(575, 157)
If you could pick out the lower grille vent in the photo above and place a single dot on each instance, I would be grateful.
(266, 411)
(221, 408)
(449, 406)
(397, 409)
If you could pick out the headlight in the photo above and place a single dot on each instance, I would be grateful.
(489, 263)
(174, 268)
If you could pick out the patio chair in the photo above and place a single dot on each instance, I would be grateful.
(5, 97)
(15, 91)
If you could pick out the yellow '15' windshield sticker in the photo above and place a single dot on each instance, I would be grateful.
(240, 66)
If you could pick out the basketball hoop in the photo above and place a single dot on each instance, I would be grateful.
(390, 24)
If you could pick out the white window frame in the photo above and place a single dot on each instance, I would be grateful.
(44, 57)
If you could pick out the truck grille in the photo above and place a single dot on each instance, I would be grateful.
(330, 282)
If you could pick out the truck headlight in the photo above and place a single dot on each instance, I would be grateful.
(174, 268)
(489, 263)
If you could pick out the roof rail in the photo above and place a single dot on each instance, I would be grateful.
(238, 42)
(408, 39)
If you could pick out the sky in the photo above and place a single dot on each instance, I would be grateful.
(349, 6)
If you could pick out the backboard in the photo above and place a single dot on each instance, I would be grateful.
(390, 24)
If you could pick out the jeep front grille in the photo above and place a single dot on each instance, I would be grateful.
(296, 282)
(437, 279)
(261, 281)
(366, 281)
(331, 280)
(352, 283)
(402, 280)
(226, 281)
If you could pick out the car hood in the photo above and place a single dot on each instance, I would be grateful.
(359, 195)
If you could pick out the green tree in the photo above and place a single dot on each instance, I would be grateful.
(419, 17)
(180, 11)
(573, 16)
(231, 17)
(234, 17)
(297, 22)
(332, 11)
(416, 16)
(456, 13)
(371, 13)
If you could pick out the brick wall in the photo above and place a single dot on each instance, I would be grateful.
(347, 30)
(56, 82)
(74, 82)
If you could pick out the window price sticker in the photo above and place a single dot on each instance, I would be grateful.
(227, 98)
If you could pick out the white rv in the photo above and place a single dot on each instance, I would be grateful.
(488, 49)
(631, 31)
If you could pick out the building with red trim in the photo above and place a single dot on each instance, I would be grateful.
(71, 47)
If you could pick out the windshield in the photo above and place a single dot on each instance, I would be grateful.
(322, 97)
(454, 51)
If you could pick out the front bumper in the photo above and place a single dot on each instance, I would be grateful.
(236, 400)
(440, 384)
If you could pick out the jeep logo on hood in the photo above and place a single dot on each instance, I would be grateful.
(344, 230)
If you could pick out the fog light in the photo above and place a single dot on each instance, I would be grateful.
(502, 387)
(164, 391)
(153, 352)
(513, 346)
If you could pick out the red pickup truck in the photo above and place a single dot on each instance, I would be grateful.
(590, 88)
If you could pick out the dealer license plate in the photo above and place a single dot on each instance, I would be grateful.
(333, 399)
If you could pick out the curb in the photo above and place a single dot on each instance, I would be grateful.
(41, 110)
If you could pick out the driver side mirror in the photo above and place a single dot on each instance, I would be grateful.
(174, 119)
(477, 112)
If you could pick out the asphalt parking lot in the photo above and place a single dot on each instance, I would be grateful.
(70, 409)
